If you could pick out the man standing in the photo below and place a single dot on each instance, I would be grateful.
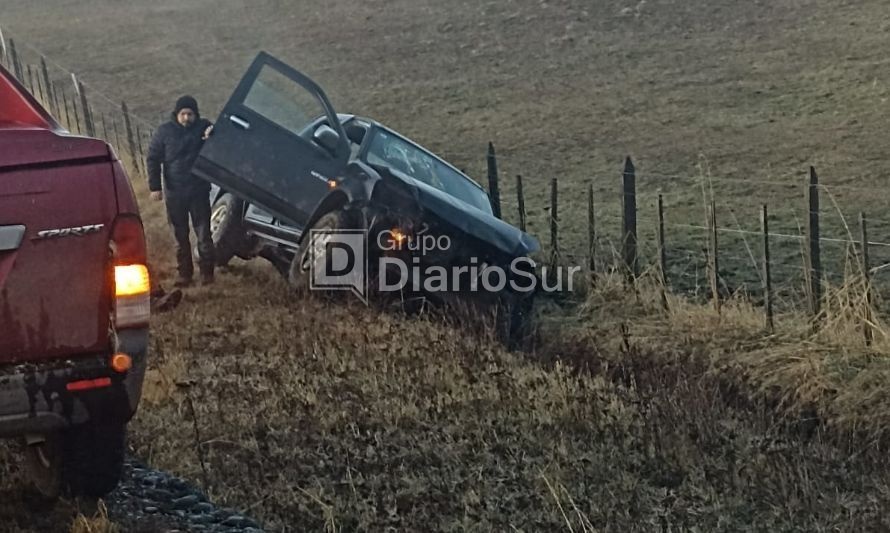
(174, 148)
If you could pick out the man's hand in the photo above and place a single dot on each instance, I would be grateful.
(207, 132)
(157, 196)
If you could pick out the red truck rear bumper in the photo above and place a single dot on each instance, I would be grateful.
(35, 398)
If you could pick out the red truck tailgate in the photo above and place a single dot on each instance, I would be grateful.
(57, 204)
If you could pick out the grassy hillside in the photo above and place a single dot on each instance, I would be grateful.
(344, 418)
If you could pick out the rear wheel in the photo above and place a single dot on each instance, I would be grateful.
(43, 463)
(93, 458)
(515, 320)
(227, 231)
(85, 460)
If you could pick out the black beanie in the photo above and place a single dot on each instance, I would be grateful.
(186, 102)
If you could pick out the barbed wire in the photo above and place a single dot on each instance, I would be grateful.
(773, 234)
(705, 180)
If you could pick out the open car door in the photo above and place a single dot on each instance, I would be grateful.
(264, 149)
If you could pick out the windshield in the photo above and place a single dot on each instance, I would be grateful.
(392, 151)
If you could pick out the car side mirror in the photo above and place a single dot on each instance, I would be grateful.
(327, 137)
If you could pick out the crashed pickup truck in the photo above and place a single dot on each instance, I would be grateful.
(74, 299)
(291, 176)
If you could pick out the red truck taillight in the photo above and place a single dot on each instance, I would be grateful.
(132, 286)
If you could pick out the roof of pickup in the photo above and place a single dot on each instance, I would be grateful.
(29, 135)
(18, 108)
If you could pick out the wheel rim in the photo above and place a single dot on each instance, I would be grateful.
(317, 250)
(44, 468)
(40, 454)
(216, 219)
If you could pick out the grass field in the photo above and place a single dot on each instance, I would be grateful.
(345, 418)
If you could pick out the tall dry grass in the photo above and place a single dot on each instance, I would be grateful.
(821, 372)
(97, 523)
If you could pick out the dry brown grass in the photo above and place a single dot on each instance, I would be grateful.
(822, 371)
(98, 523)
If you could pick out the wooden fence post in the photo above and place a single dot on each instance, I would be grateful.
(591, 232)
(30, 82)
(713, 262)
(141, 152)
(131, 142)
(554, 226)
(44, 94)
(520, 201)
(493, 189)
(56, 106)
(47, 84)
(813, 257)
(67, 111)
(76, 115)
(662, 254)
(37, 90)
(85, 107)
(767, 274)
(117, 137)
(629, 220)
(4, 54)
(104, 127)
(866, 326)
(16, 64)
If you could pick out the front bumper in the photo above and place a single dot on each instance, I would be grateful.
(34, 398)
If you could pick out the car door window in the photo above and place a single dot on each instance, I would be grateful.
(279, 99)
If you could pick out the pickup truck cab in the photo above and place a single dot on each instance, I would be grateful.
(74, 299)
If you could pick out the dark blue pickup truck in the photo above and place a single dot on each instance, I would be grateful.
(291, 177)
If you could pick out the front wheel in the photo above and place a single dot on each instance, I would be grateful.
(311, 254)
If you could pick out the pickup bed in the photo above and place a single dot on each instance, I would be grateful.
(74, 299)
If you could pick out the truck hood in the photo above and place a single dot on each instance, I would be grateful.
(487, 228)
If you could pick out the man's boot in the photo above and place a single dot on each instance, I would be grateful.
(184, 268)
(162, 300)
(207, 275)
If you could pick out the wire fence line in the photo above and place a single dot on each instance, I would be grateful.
(806, 246)
(76, 81)
(798, 237)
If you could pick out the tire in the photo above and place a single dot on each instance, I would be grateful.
(93, 458)
(299, 273)
(515, 320)
(228, 235)
(43, 464)
(85, 460)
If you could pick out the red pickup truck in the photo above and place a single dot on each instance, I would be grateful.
(74, 299)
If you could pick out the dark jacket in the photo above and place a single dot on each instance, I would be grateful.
(175, 148)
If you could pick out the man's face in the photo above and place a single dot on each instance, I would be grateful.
(185, 117)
